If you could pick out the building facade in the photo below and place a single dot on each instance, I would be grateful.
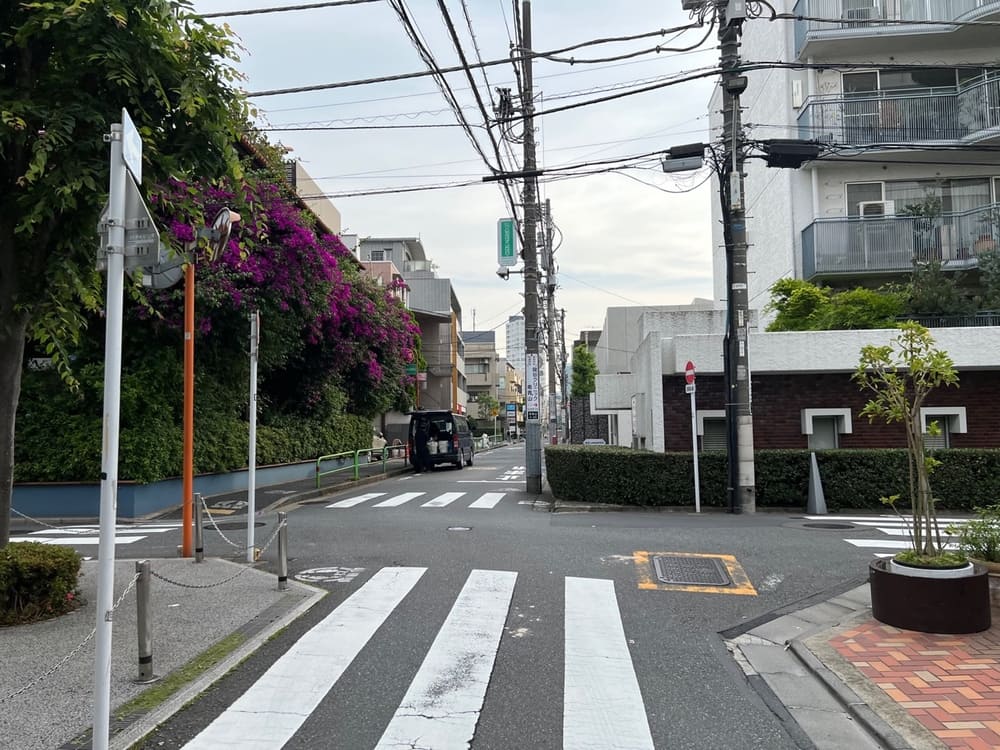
(515, 341)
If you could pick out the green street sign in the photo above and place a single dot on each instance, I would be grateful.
(506, 243)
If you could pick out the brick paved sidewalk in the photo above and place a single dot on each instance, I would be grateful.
(949, 683)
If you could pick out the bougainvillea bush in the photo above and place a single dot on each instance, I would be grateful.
(334, 348)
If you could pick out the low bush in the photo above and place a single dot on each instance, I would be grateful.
(37, 581)
(851, 479)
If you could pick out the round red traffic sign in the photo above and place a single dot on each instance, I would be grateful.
(689, 372)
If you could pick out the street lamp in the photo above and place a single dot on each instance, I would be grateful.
(218, 237)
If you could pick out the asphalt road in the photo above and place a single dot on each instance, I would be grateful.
(566, 629)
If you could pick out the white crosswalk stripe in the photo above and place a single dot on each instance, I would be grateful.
(485, 501)
(88, 534)
(446, 697)
(894, 528)
(268, 714)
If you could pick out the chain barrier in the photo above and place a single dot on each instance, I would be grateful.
(34, 520)
(227, 540)
(243, 569)
(66, 659)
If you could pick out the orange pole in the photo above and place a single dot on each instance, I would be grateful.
(187, 502)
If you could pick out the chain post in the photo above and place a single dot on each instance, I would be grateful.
(144, 624)
(199, 530)
(282, 552)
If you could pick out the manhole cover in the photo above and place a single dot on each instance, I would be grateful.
(233, 525)
(692, 571)
(828, 525)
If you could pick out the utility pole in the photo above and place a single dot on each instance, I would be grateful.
(532, 424)
(563, 387)
(550, 318)
(739, 417)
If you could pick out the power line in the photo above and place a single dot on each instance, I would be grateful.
(400, 76)
(306, 128)
(285, 8)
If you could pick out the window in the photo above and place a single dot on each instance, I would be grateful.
(950, 420)
(376, 255)
(859, 192)
(712, 429)
(823, 427)
(474, 367)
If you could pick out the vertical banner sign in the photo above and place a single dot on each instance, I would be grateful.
(531, 395)
(506, 243)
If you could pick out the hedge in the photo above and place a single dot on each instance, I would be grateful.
(851, 478)
(37, 581)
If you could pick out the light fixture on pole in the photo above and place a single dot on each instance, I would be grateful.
(218, 237)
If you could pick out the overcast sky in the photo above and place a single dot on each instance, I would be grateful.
(622, 242)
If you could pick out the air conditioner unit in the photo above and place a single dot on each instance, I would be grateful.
(861, 15)
(872, 209)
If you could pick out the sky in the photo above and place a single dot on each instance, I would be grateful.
(628, 237)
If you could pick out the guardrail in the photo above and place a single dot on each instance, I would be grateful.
(371, 455)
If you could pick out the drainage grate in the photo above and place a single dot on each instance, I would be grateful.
(692, 571)
(827, 525)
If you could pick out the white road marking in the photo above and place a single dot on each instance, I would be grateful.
(602, 704)
(876, 520)
(442, 500)
(442, 705)
(273, 709)
(488, 500)
(887, 543)
(352, 501)
(392, 502)
(74, 539)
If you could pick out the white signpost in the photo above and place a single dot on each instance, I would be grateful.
(252, 459)
(689, 388)
(126, 155)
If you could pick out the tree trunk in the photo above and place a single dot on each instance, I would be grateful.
(12, 333)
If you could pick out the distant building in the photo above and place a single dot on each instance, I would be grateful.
(515, 341)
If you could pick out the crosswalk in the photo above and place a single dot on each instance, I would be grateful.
(894, 532)
(89, 534)
(602, 701)
(485, 501)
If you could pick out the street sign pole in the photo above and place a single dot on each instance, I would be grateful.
(689, 387)
(115, 258)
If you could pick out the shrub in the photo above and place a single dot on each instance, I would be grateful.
(852, 479)
(37, 581)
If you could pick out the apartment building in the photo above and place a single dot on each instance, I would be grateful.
(905, 97)
(482, 372)
(437, 311)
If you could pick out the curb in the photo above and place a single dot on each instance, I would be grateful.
(142, 726)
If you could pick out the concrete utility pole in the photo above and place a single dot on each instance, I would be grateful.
(550, 298)
(532, 423)
(739, 417)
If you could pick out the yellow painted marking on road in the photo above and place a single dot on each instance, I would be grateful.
(741, 584)
(220, 511)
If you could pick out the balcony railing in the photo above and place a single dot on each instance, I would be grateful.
(981, 318)
(959, 115)
(853, 246)
(854, 17)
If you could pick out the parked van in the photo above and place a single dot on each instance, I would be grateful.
(440, 437)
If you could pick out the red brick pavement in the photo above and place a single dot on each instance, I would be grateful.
(949, 683)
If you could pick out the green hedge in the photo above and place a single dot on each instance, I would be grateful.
(851, 478)
(37, 581)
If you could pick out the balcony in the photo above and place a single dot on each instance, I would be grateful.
(887, 246)
(968, 114)
(859, 20)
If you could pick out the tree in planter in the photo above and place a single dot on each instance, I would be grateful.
(899, 377)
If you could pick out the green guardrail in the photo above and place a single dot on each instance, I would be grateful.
(373, 455)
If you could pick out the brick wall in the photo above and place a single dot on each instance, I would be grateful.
(778, 401)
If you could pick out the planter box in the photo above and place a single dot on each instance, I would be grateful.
(928, 605)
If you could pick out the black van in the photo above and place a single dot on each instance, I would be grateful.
(439, 437)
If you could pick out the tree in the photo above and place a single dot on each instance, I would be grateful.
(66, 70)
(899, 377)
(584, 371)
(934, 292)
(802, 306)
(799, 305)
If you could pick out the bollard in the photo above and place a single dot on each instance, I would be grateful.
(199, 530)
(144, 626)
(282, 552)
